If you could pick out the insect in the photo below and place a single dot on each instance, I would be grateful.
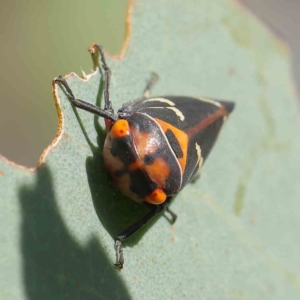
(154, 146)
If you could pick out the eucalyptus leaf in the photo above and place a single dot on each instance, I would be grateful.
(237, 233)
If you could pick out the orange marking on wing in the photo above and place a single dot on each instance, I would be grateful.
(120, 129)
(182, 140)
(158, 196)
(159, 171)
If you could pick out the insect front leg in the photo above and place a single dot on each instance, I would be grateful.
(105, 113)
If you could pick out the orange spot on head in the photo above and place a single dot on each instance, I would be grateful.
(120, 129)
(158, 196)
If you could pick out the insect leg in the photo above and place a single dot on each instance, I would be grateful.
(173, 215)
(156, 209)
(85, 105)
(153, 79)
(107, 74)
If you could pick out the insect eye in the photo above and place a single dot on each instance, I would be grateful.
(124, 112)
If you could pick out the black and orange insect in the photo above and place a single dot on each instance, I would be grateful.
(154, 146)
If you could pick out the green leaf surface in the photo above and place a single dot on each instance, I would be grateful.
(237, 234)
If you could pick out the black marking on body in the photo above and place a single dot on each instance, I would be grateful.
(123, 148)
(141, 184)
(174, 143)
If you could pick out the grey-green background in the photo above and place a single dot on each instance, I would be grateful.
(42, 39)
(39, 41)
